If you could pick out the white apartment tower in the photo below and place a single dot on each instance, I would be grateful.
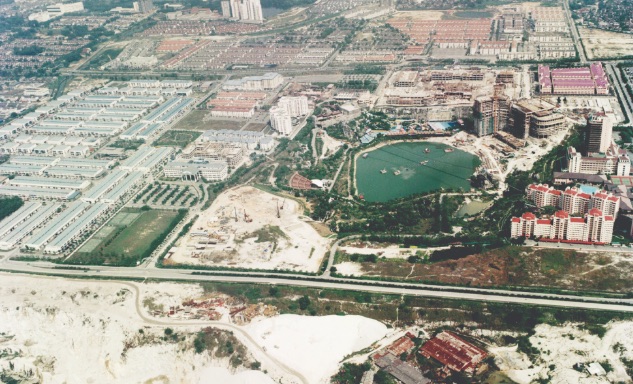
(245, 10)
(226, 9)
(296, 106)
(280, 120)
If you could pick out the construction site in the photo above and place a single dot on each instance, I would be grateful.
(249, 228)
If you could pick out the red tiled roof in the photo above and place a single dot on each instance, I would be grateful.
(562, 214)
(595, 212)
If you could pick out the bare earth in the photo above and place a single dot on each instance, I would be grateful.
(249, 234)
(599, 43)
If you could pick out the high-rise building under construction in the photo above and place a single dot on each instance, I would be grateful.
(491, 112)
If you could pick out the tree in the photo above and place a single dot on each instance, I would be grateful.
(304, 302)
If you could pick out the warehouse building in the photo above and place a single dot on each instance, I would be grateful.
(209, 170)
(11, 239)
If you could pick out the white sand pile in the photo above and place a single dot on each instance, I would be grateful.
(315, 346)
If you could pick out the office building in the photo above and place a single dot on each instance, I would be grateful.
(599, 134)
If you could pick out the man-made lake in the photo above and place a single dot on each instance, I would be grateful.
(412, 168)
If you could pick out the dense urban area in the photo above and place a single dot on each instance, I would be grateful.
(329, 191)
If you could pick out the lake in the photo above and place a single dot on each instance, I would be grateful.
(442, 170)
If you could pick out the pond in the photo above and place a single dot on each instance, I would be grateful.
(403, 169)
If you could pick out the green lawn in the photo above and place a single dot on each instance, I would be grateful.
(130, 241)
(177, 138)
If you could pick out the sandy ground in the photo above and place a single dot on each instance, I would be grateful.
(71, 331)
(330, 145)
(316, 345)
(349, 268)
(293, 244)
(599, 43)
(84, 332)
(562, 347)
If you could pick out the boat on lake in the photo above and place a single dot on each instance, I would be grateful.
(396, 172)
(365, 155)
(449, 150)
(425, 162)
(426, 150)
(383, 171)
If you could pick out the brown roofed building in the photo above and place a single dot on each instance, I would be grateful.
(455, 353)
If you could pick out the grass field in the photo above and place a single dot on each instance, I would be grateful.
(177, 138)
(128, 238)
(196, 121)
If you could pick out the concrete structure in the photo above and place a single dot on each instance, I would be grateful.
(280, 120)
(599, 134)
(534, 117)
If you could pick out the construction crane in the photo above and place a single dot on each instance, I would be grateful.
(278, 214)
(282, 204)
(235, 214)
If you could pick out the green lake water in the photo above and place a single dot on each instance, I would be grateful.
(443, 170)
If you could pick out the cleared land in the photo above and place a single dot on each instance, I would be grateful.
(509, 266)
(177, 138)
(242, 229)
(129, 237)
(605, 44)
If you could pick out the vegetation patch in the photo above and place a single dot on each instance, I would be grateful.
(8, 205)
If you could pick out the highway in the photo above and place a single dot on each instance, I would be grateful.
(620, 91)
(398, 288)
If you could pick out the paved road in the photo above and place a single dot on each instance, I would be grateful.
(461, 293)
(574, 33)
